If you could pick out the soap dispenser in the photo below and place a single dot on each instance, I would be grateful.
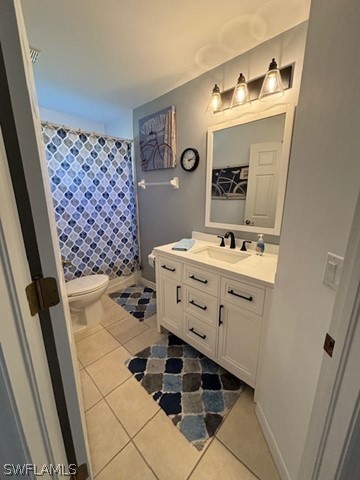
(260, 246)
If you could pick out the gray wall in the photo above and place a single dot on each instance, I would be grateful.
(323, 187)
(166, 215)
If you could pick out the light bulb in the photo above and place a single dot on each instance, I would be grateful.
(216, 101)
(241, 93)
(272, 84)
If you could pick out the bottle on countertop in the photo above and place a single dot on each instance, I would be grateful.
(260, 246)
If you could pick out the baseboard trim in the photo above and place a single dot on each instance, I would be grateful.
(118, 283)
(273, 446)
(147, 283)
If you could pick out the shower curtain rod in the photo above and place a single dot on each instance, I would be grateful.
(86, 132)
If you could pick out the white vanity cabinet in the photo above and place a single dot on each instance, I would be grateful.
(240, 325)
(169, 294)
(200, 307)
(213, 311)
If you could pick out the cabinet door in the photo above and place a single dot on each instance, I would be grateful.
(239, 337)
(170, 304)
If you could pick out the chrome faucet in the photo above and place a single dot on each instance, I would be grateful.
(232, 238)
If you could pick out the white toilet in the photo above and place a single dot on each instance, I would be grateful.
(84, 295)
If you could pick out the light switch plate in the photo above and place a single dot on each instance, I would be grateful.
(333, 270)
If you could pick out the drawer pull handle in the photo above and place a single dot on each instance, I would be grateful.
(198, 279)
(168, 268)
(249, 299)
(220, 314)
(198, 334)
(196, 305)
(177, 294)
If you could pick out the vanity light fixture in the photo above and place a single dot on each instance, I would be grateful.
(268, 86)
(272, 84)
(241, 93)
(216, 101)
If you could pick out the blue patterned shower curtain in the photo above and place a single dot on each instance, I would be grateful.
(94, 201)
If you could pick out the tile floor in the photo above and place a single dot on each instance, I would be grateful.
(131, 438)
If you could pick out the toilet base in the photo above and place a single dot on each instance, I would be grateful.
(87, 317)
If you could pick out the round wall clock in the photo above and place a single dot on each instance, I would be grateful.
(189, 159)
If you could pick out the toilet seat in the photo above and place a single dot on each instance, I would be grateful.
(86, 284)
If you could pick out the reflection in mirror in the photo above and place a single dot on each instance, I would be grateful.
(247, 169)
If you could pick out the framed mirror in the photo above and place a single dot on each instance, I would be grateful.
(247, 165)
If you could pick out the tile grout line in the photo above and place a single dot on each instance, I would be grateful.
(212, 440)
(94, 405)
(108, 353)
(142, 456)
(93, 380)
(237, 458)
(90, 334)
(104, 327)
(97, 388)
(131, 437)
(117, 386)
(116, 454)
(103, 397)
(201, 456)
(128, 340)
(102, 356)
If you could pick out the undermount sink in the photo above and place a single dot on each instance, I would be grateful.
(220, 254)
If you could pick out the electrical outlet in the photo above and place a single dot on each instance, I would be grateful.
(333, 270)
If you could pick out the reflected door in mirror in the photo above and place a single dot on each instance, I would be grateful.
(261, 198)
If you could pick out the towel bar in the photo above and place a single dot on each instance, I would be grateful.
(174, 182)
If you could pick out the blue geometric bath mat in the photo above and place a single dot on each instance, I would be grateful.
(138, 300)
(193, 391)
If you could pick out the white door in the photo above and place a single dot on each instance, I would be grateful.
(21, 132)
(262, 189)
(332, 446)
(28, 410)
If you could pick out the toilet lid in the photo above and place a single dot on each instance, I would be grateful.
(86, 284)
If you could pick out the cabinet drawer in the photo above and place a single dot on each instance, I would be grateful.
(200, 335)
(202, 279)
(169, 267)
(243, 295)
(201, 305)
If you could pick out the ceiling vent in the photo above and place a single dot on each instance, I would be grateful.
(34, 53)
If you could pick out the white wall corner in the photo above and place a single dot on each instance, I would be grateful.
(272, 444)
(147, 283)
(119, 283)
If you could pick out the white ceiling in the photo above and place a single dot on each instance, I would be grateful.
(99, 57)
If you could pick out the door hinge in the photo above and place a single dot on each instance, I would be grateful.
(329, 345)
(81, 472)
(42, 294)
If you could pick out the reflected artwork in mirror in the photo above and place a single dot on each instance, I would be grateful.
(247, 170)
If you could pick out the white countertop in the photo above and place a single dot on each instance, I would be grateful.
(254, 268)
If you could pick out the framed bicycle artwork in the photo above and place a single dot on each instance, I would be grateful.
(229, 183)
(157, 140)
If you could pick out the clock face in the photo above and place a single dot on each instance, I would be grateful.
(190, 159)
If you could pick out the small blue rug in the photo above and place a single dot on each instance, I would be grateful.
(193, 391)
(138, 300)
